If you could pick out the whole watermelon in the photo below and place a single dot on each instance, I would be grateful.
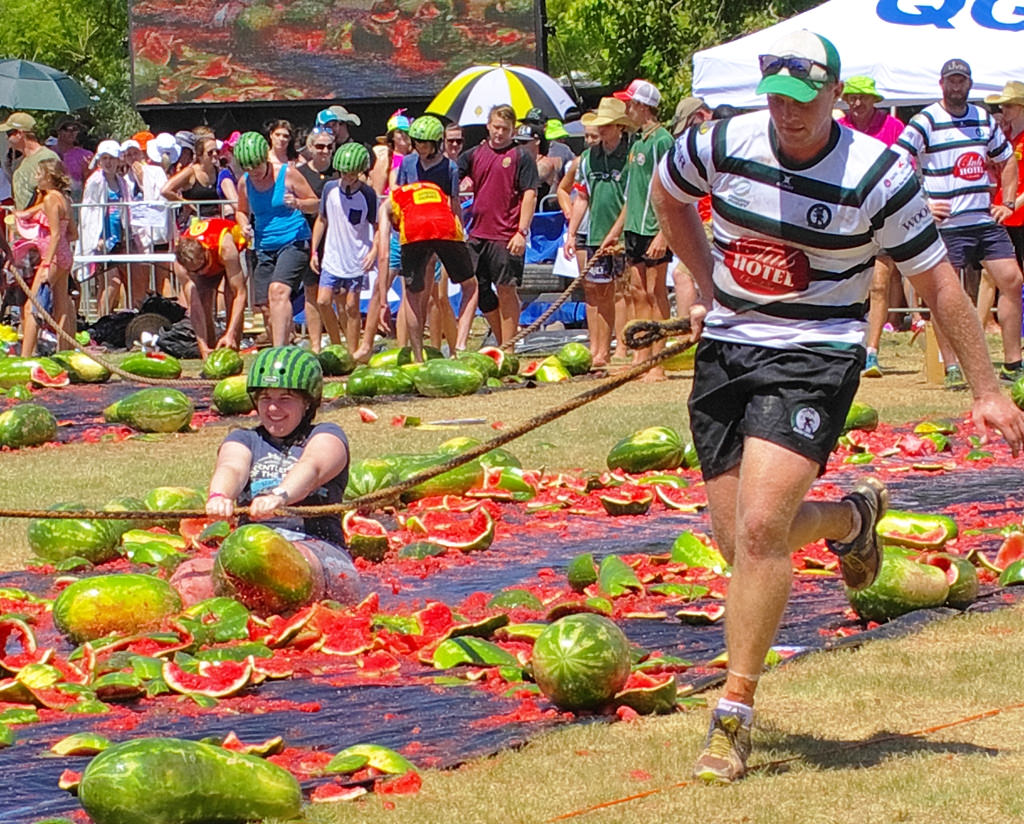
(57, 539)
(362, 383)
(263, 570)
(156, 409)
(369, 475)
(152, 365)
(81, 368)
(230, 396)
(222, 363)
(576, 358)
(657, 447)
(175, 781)
(581, 661)
(336, 360)
(1017, 392)
(902, 586)
(483, 364)
(123, 603)
(391, 358)
(43, 371)
(27, 424)
(447, 379)
(393, 381)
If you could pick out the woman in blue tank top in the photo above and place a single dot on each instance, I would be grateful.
(270, 211)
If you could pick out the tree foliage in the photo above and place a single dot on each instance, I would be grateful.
(85, 38)
(617, 40)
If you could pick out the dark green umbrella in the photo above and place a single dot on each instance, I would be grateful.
(28, 85)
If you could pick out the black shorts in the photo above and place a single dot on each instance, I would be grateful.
(289, 264)
(636, 250)
(606, 268)
(493, 264)
(973, 245)
(797, 399)
(454, 256)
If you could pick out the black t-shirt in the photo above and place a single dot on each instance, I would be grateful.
(271, 461)
(317, 181)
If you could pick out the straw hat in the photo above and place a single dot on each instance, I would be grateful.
(609, 112)
(1013, 92)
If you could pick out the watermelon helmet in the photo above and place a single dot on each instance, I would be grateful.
(427, 127)
(286, 367)
(351, 157)
(251, 150)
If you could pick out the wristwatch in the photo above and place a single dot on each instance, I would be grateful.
(281, 492)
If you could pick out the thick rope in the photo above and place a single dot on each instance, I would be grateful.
(111, 367)
(640, 334)
(391, 495)
(562, 298)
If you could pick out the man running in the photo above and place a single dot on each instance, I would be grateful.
(954, 141)
(800, 208)
(505, 184)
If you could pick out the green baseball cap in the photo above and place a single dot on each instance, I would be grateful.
(859, 84)
(799, 66)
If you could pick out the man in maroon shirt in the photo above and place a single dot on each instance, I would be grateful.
(505, 195)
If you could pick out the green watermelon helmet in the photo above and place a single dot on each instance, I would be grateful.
(427, 127)
(251, 150)
(351, 158)
(286, 367)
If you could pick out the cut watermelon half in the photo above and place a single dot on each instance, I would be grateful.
(624, 502)
(214, 679)
(701, 615)
(365, 537)
(41, 377)
(1011, 550)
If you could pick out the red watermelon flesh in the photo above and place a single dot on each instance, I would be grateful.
(1011, 550)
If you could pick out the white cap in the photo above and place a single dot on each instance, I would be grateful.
(163, 143)
(130, 144)
(108, 147)
(642, 91)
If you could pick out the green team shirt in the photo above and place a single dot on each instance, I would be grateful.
(645, 153)
(602, 176)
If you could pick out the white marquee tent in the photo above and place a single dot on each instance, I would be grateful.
(902, 44)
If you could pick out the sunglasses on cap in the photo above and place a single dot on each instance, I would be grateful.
(798, 67)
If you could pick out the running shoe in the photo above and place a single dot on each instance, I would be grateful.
(871, 367)
(1007, 375)
(954, 380)
(860, 559)
(726, 750)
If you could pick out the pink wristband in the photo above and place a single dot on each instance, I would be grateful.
(213, 495)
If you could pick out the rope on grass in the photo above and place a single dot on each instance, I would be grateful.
(509, 345)
(391, 495)
(770, 765)
(112, 367)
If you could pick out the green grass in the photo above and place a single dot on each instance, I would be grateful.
(840, 722)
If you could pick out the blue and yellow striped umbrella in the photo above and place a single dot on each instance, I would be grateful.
(472, 93)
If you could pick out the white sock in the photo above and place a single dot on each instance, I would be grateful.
(856, 525)
(736, 708)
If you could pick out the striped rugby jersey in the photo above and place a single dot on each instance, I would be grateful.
(794, 247)
(953, 153)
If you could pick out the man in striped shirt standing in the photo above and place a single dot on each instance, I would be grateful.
(954, 141)
(800, 208)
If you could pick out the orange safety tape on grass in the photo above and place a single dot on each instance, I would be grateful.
(769, 765)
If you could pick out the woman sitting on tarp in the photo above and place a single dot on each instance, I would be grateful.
(285, 461)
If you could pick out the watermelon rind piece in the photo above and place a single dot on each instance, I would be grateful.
(81, 743)
(17, 371)
(581, 661)
(616, 504)
(918, 530)
(472, 651)
(174, 780)
(615, 577)
(650, 695)
(1013, 575)
(551, 370)
(419, 550)
(695, 553)
(961, 576)
(861, 416)
(701, 614)
(214, 679)
(365, 537)
(581, 572)
(372, 755)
